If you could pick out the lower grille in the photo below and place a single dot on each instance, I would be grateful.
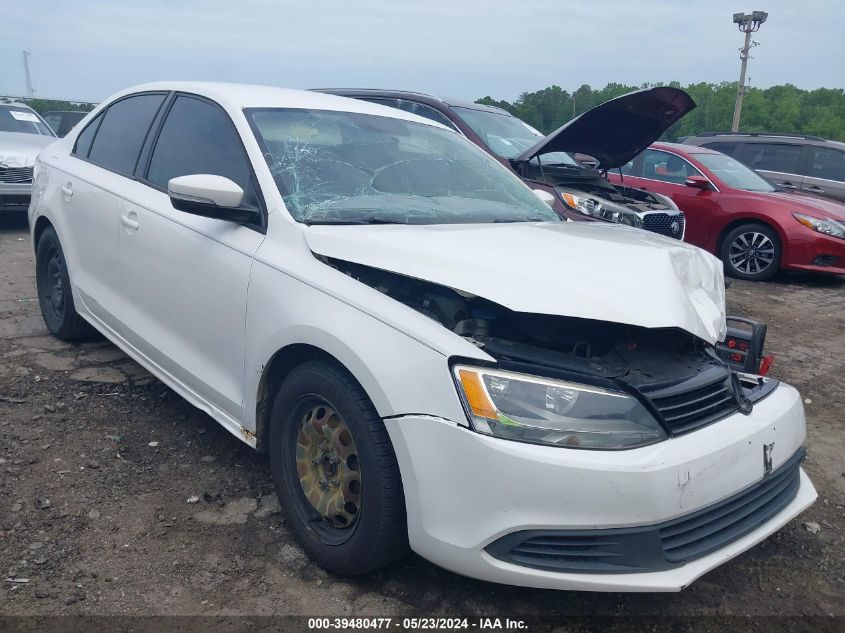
(655, 547)
(14, 202)
(671, 225)
(17, 175)
(825, 260)
(712, 528)
(695, 403)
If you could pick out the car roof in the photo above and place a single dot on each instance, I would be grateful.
(239, 96)
(410, 95)
(762, 137)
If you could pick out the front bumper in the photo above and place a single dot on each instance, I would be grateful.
(816, 252)
(465, 491)
(15, 196)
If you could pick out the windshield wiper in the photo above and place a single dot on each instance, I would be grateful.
(373, 219)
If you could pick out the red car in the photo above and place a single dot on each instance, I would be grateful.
(752, 225)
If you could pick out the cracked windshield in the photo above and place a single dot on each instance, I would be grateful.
(348, 168)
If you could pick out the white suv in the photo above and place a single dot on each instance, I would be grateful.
(427, 353)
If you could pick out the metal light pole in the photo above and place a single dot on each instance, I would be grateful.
(747, 23)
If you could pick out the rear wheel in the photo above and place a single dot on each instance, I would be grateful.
(54, 294)
(751, 251)
(335, 471)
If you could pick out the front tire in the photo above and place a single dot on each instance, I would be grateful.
(335, 471)
(54, 293)
(752, 252)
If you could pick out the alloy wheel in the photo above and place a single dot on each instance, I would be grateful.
(751, 252)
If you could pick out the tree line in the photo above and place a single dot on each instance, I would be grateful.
(51, 105)
(783, 109)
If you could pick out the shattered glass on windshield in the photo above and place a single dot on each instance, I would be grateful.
(349, 168)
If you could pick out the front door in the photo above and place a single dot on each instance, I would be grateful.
(186, 276)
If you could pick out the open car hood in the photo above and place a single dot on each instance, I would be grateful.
(590, 270)
(617, 130)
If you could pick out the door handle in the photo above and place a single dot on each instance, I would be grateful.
(129, 223)
(787, 185)
(815, 189)
(67, 190)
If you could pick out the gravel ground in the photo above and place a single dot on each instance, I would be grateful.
(117, 497)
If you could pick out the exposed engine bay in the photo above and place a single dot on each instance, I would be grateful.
(589, 192)
(635, 355)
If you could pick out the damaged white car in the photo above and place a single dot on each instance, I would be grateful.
(430, 357)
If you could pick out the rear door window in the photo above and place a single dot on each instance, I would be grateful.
(779, 157)
(722, 146)
(121, 134)
(826, 163)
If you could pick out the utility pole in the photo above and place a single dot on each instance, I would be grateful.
(747, 23)
(30, 91)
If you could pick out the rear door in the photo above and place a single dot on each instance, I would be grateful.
(186, 276)
(664, 172)
(92, 181)
(778, 161)
(824, 172)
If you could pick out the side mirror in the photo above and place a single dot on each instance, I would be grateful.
(209, 196)
(545, 196)
(697, 182)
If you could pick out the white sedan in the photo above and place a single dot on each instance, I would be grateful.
(429, 356)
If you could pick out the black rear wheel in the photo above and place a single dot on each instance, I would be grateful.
(54, 294)
(335, 471)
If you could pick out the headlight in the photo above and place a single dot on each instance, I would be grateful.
(545, 411)
(600, 208)
(826, 226)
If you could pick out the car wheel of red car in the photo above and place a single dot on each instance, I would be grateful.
(751, 251)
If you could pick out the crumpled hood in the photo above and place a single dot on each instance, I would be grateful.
(589, 270)
(21, 150)
(619, 129)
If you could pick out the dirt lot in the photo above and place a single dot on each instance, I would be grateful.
(98, 461)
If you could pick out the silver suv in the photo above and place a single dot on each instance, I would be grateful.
(791, 161)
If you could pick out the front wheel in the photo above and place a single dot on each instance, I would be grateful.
(751, 251)
(335, 471)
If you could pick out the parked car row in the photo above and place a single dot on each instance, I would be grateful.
(613, 133)
(430, 355)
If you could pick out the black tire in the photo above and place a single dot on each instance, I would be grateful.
(54, 294)
(379, 534)
(751, 251)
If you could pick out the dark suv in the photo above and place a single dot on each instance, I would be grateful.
(611, 133)
(808, 163)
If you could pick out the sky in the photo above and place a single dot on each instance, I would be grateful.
(89, 49)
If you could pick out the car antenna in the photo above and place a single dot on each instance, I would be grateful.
(621, 177)
(540, 163)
